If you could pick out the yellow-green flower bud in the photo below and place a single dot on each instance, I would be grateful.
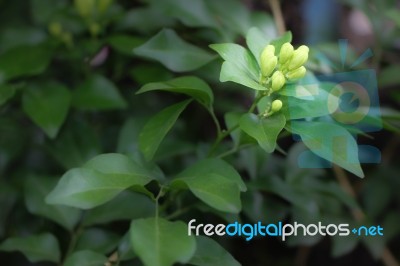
(300, 56)
(268, 65)
(297, 73)
(276, 106)
(268, 60)
(278, 80)
(286, 53)
(84, 7)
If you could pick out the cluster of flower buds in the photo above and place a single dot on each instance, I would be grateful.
(276, 70)
(288, 66)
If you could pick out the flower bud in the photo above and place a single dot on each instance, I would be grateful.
(297, 73)
(268, 60)
(268, 65)
(300, 56)
(276, 106)
(286, 53)
(278, 80)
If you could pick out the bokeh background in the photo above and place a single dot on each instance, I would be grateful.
(88, 55)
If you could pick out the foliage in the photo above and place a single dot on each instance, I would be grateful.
(89, 177)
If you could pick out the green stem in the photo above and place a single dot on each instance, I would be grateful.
(226, 133)
(74, 239)
(216, 122)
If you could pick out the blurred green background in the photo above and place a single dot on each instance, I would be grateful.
(68, 76)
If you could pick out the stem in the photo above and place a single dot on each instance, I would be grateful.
(226, 133)
(74, 238)
(278, 17)
(215, 119)
(387, 257)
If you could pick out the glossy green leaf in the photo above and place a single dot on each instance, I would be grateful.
(98, 181)
(232, 15)
(159, 242)
(124, 43)
(36, 248)
(36, 190)
(240, 66)
(189, 85)
(173, 52)
(210, 253)
(47, 105)
(193, 14)
(141, 19)
(97, 240)
(98, 93)
(85, 258)
(256, 40)
(126, 206)
(331, 142)
(264, 130)
(215, 166)
(72, 148)
(157, 128)
(215, 190)
(214, 182)
(24, 61)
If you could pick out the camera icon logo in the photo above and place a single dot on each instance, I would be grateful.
(350, 100)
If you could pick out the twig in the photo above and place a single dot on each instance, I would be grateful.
(278, 17)
(387, 257)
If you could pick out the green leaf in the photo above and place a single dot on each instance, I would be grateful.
(189, 85)
(239, 66)
(215, 166)
(24, 61)
(331, 142)
(264, 130)
(85, 258)
(126, 206)
(256, 41)
(210, 253)
(214, 182)
(98, 93)
(389, 76)
(47, 105)
(124, 43)
(7, 91)
(174, 53)
(36, 190)
(97, 240)
(307, 101)
(157, 128)
(193, 14)
(72, 148)
(141, 19)
(43, 247)
(98, 181)
(343, 245)
(232, 15)
(159, 242)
